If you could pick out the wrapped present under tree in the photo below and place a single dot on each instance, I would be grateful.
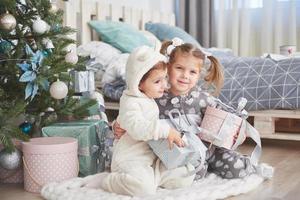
(92, 138)
(83, 81)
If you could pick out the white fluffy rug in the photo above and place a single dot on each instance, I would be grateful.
(209, 188)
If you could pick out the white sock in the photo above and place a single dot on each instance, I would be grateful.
(265, 170)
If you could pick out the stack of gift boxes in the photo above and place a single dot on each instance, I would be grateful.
(92, 133)
(91, 136)
(72, 148)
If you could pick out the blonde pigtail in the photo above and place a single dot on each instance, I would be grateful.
(215, 74)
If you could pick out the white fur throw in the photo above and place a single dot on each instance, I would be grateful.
(209, 188)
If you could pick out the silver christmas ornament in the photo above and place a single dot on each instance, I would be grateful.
(7, 22)
(10, 161)
(58, 90)
(71, 57)
(40, 26)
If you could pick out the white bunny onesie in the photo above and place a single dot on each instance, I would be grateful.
(135, 169)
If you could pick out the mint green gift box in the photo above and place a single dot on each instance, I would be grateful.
(91, 135)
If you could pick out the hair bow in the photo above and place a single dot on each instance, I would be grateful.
(175, 43)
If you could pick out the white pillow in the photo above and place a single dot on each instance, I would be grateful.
(116, 69)
(102, 52)
(155, 42)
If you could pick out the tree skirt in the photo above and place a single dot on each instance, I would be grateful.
(209, 188)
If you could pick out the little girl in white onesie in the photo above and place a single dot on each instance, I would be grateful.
(135, 170)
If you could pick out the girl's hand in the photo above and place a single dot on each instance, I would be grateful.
(175, 137)
(118, 131)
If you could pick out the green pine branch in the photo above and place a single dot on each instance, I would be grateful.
(9, 110)
(53, 66)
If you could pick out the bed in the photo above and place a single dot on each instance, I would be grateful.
(263, 109)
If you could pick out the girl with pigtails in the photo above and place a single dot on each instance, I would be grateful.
(185, 66)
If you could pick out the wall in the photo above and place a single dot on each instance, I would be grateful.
(161, 5)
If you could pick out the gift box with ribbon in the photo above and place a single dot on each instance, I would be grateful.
(226, 127)
(83, 81)
(220, 128)
(222, 124)
(193, 152)
(91, 136)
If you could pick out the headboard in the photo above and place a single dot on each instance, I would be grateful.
(77, 14)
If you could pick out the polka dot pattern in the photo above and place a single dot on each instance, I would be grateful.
(40, 169)
(212, 124)
(213, 121)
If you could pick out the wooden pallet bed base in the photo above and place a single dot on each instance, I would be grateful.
(264, 121)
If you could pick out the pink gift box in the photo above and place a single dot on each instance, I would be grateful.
(49, 159)
(223, 125)
(12, 176)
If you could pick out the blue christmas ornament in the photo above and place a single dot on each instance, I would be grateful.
(26, 127)
(47, 52)
(56, 28)
(5, 46)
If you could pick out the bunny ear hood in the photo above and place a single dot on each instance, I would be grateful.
(140, 61)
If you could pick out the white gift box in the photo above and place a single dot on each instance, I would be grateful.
(84, 81)
(172, 158)
(193, 152)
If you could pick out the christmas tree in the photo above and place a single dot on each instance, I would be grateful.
(34, 66)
